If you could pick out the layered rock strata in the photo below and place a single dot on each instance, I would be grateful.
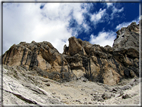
(107, 64)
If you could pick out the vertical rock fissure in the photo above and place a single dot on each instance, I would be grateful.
(61, 72)
(24, 52)
(34, 61)
(99, 61)
(100, 75)
(87, 65)
(29, 54)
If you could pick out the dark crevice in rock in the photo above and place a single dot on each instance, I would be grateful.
(34, 61)
(24, 52)
(91, 75)
(135, 70)
(127, 73)
(99, 78)
(28, 57)
(99, 61)
(61, 67)
(87, 65)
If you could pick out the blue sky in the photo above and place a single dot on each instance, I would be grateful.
(56, 22)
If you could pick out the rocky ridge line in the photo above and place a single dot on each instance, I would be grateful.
(108, 65)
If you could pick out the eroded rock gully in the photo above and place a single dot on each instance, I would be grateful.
(108, 65)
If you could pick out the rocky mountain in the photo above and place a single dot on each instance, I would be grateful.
(127, 37)
(108, 65)
(36, 74)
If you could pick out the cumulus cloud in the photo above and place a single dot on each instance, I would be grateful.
(51, 22)
(28, 22)
(103, 38)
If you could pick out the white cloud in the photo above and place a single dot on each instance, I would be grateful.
(96, 17)
(27, 22)
(86, 27)
(125, 24)
(103, 38)
(115, 10)
(109, 4)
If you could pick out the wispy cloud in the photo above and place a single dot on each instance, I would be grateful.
(103, 38)
(87, 28)
(125, 24)
(51, 22)
(103, 15)
(115, 10)
(96, 17)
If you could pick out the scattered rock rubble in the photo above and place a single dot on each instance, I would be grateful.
(44, 91)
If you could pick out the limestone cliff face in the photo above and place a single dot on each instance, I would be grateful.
(42, 57)
(81, 59)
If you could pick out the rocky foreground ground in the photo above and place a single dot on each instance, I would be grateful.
(22, 88)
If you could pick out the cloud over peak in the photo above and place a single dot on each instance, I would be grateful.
(28, 22)
(125, 24)
(103, 38)
(56, 22)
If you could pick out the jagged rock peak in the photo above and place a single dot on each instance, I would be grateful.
(42, 57)
(108, 65)
(127, 37)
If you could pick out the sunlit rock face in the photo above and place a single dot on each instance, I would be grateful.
(42, 57)
(108, 65)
